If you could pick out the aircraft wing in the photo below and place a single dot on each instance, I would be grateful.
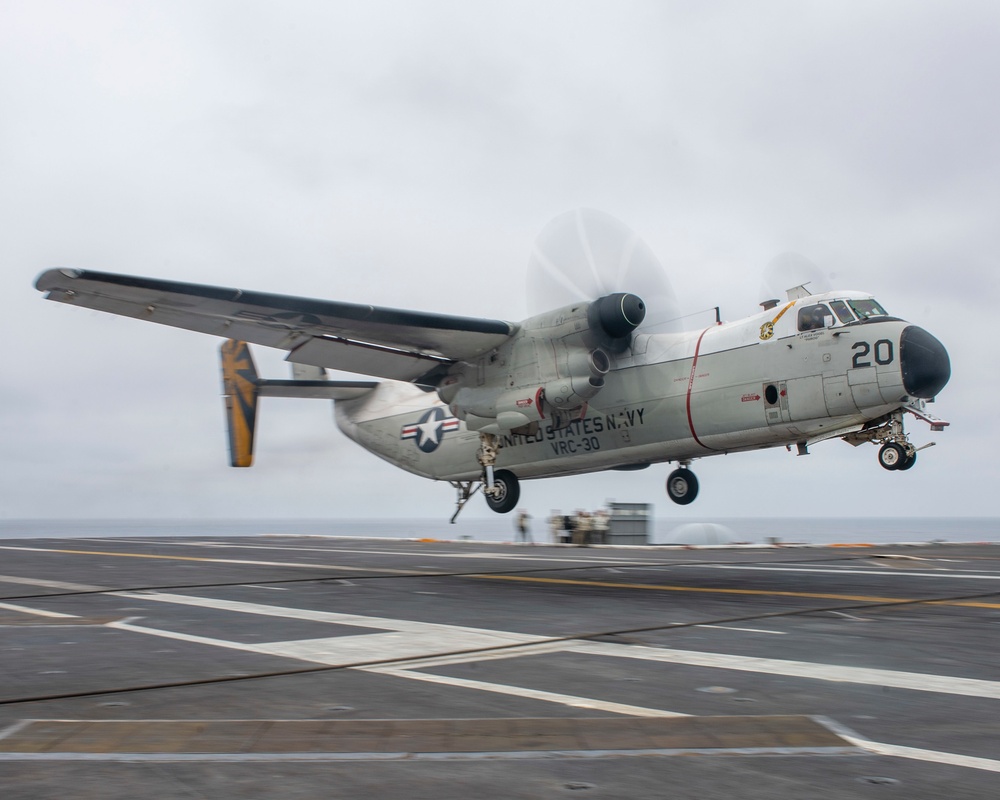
(384, 342)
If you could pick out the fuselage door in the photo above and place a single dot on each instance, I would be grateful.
(776, 402)
(838, 396)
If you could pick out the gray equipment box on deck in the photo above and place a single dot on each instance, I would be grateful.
(629, 523)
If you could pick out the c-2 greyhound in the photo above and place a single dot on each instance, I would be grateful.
(593, 384)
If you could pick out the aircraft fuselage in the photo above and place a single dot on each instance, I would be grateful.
(765, 381)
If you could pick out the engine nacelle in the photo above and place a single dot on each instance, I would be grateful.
(506, 408)
(584, 378)
(556, 360)
(607, 322)
(617, 315)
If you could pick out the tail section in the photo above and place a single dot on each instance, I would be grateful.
(241, 388)
(239, 385)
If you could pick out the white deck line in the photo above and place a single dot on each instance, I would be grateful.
(37, 611)
(531, 694)
(412, 640)
(919, 754)
(71, 587)
(915, 681)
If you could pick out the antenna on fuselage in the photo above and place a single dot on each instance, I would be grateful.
(798, 292)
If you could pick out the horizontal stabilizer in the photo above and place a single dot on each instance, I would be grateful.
(320, 390)
(307, 372)
(241, 388)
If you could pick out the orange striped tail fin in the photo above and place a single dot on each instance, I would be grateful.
(239, 385)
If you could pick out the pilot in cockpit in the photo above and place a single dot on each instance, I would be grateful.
(814, 318)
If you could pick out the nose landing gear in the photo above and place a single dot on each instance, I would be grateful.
(893, 456)
(897, 451)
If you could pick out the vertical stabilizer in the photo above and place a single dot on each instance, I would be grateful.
(239, 386)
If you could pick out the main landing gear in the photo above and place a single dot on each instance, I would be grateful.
(501, 487)
(682, 485)
(506, 492)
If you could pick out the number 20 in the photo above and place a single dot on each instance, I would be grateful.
(884, 353)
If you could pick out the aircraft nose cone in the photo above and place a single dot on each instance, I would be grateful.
(924, 361)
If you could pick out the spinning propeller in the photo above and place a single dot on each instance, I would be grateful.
(788, 271)
(586, 254)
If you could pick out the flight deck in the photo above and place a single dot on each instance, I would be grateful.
(253, 667)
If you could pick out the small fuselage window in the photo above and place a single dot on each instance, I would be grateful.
(813, 318)
(842, 311)
(866, 309)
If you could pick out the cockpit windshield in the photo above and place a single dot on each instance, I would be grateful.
(842, 311)
(866, 309)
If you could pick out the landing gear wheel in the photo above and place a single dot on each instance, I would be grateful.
(892, 456)
(908, 462)
(507, 492)
(682, 486)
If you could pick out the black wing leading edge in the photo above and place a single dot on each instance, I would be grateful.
(384, 342)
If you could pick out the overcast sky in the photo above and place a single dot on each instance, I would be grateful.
(407, 154)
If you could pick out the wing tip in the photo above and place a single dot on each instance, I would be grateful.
(56, 278)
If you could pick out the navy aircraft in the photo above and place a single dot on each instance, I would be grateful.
(595, 383)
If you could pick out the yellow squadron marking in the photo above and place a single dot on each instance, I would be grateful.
(767, 329)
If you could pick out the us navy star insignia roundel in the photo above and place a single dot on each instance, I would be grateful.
(430, 429)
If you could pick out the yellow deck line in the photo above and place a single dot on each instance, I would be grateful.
(244, 562)
(757, 592)
(853, 598)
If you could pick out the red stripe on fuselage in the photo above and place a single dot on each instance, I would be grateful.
(694, 366)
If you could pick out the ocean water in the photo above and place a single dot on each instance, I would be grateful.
(757, 530)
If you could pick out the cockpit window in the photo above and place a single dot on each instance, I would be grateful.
(842, 311)
(817, 317)
(866, 309)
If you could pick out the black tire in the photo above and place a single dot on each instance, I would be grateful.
(908, 462)
(682, 486)
(891, 456)
(509, 492)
